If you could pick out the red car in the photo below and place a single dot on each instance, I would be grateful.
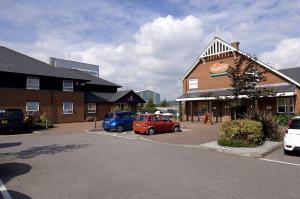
(154, 123)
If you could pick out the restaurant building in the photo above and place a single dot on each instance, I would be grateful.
(206, 86)
(64, 95)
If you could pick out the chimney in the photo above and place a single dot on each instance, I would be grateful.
(235, 45)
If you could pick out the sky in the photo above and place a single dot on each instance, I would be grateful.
(143, 44)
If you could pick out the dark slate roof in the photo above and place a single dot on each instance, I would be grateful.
(93, 80)
(227, 92)
(15, 62)
(293, 73)
(108, 97)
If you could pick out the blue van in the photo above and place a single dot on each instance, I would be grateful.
(118, 121)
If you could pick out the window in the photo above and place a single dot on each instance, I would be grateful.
(68, 85)
(32, 106)
(92, 107)
(68, 108)
(193, 83)
(285, 105)
(33, 83)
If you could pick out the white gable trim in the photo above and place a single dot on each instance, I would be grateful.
(232, 49)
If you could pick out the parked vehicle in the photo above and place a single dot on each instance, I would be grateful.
(154, 123)
(292, 136)
(11, 119)
(118, 121)
(164, 113)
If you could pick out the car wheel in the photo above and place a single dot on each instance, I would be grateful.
(136, 132)
(120, 128)
(176, 129)
(151, 131)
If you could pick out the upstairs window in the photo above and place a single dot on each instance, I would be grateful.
(68, 108)
(33, 83)
(68, 85)
(193, 83)
(92, 107)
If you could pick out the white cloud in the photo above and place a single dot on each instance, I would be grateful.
(285, 55)
(160, 53)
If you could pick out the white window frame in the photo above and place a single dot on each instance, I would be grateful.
(32, 86)
(68, 88)
(285, 105)
(193, 83)
(36, 110)
(92, 109)
(68, 111)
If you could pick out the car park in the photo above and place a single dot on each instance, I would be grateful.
(11, 119)
(154, 123)
(292, 136)
(118, 121)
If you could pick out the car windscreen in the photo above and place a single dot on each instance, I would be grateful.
(12, 114)
(295, 124)
(141, 118)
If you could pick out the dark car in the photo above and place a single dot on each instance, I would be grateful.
(118, 121)
(11, 119)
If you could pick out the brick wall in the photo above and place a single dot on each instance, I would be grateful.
(101, 110)
(17, 98)
(205, 81)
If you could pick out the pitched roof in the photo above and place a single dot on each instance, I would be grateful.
(109, 97)
(293, 73)
(15, 62)
(93, 79)
(228, 48)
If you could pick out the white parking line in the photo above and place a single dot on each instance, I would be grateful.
(4, 191)
(280, 162)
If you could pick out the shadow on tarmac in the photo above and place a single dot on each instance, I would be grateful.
(13, 169)
(11, 144)
(43, 150)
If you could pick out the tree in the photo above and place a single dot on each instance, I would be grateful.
(245, 76)
(164, 103)
(150, 106)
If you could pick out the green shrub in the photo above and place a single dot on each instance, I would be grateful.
(283, 119)
(270, 127)
(248, 132)
(223, 141)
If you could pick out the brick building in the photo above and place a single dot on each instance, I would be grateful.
(64, 95)
(209, 75)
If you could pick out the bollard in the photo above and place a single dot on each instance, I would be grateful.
(95, 122)
(46, 124)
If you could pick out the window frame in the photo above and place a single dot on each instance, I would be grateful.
(195, 84)
(285, 105)
(69, 88)
(32, 111)
(92, 110)
(68, 111)
(32, 86)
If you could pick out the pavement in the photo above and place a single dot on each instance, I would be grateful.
(90, 165)
(253, 152)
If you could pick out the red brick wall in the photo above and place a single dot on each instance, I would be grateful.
(205, 81)
(17, 98)
(102, 109)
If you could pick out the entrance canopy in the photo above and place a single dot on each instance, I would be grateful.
(282, 89)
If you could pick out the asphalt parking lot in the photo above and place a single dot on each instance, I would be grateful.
(91, 165)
